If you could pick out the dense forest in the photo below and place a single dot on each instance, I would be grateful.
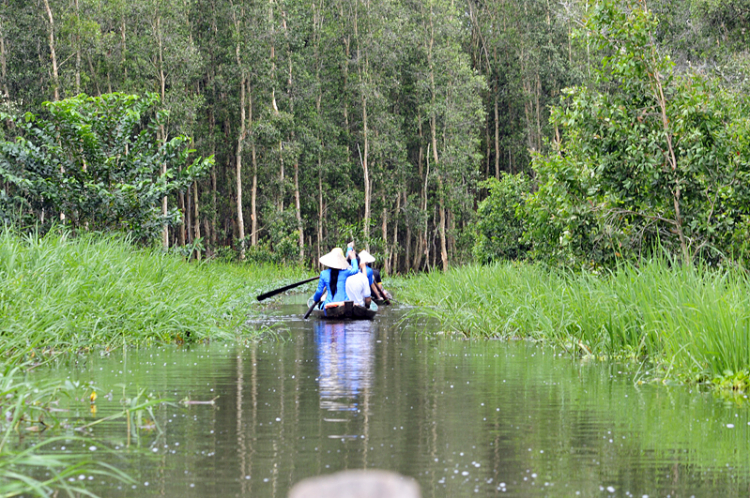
(316, 121)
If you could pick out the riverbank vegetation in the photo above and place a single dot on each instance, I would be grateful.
(62, 295)
(606, 133)
(330, 120)
(683, 323)
(647, 160)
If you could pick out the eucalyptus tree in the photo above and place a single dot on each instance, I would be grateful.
(524, 49)
(238, 34)
(451, 106)
(23, 79)
(168, 62)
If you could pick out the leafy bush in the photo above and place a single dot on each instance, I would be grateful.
(500, 224)
(648, 157)
(99, 163)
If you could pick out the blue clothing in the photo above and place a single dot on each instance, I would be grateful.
(325, 284)
(369, 274)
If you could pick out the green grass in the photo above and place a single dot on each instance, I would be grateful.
(694, 323)
(59, 293)
(62, 294)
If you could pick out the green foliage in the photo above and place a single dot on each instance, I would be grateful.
(26, 408)
(647, 158)
(97, 161)
(500, 223)
(59, 293)
(687, 321)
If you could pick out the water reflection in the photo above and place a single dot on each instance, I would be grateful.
(464, 418)
(345, 352)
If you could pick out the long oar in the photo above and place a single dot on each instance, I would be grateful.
(311, 308)
(283, 289)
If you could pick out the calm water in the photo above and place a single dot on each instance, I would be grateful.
(464, 418)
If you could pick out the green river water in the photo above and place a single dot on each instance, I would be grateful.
(464, 418)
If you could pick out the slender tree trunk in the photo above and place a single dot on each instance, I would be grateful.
(497, 133)
(407, 259)
(282, 180)
(210, 221)
(124, 49)
(434, 142)
(298, 211)
(231, 164)
(433, 136)
(3, 63)
(273, 56)
(384, 227)
(345, 71)
(274, 105)
(188, 216)
(362, 71)
(537, 98)
(317, 26)
(487, 150)
(78, 47)
(240, 144)
(421, 246)
(185, 219)
(394, 245)
(254, 188)
(164, 205)
(443, 245)
(156, 28)
(52, 52)
(366, 172)
(672, 161)
(290, 95)
(320, 205)
(214, 209)
(254, 198)
(196, 218)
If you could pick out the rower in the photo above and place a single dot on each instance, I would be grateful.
(373, 277)
(333, 278)
(358, 289)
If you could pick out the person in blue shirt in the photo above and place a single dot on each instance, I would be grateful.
(333, 278)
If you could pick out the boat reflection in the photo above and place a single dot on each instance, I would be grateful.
(345, 359)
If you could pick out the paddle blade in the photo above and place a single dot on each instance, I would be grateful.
(272, 293)
(310, 309)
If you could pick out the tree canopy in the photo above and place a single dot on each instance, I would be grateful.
(331, 120)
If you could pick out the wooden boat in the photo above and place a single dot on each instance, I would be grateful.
(346, 310)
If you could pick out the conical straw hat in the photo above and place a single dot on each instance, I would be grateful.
(366, 257)
(335, 259)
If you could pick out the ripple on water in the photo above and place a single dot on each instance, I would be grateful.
(461, 417)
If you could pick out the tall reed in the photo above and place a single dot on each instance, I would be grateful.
(60, 293)
(63, 293)
(694, 321)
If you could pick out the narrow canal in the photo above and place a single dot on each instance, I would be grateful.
(464, 418)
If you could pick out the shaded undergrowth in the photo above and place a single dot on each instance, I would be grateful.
(691, 323)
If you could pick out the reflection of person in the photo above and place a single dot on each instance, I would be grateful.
(358, 288)
(345, 357)
(333, 278)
